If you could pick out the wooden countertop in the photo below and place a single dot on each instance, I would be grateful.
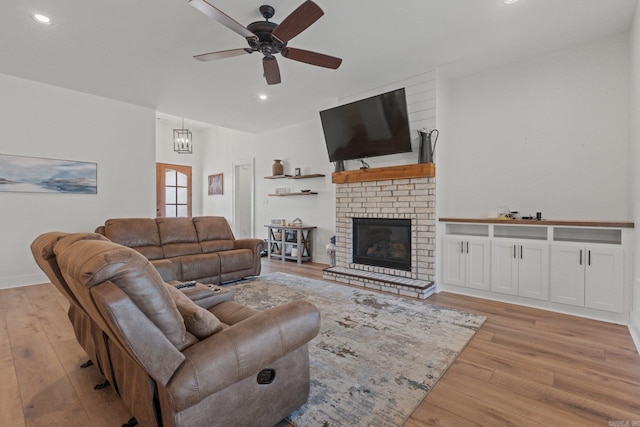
(616, 224)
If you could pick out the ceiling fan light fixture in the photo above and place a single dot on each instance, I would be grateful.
(510, 1)
(41, 19)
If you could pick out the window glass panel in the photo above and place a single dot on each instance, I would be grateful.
(182, 180)
(182, 210)
(170, 210)
(182, 196)
(170, 195)
(170, 178)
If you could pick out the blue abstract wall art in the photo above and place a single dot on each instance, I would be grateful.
(38, 175)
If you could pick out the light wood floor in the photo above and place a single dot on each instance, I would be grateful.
(524, 367)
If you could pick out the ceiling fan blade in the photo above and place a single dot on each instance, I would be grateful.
(298, 21)
(271, 70)
(223, 18)
(313, 58)
(222, 54)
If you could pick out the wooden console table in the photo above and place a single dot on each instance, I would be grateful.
(290, 242)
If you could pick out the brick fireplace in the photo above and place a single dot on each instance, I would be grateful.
(402, 192)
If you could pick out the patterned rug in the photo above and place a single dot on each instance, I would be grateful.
(376, 356)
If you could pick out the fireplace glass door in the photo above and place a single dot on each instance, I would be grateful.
(382, 242)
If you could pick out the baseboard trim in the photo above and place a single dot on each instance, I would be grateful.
(634, 329)
(26, 280)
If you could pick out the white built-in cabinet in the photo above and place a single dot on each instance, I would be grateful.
(520, 268)
(468, 262)
(570, 268)
(588, 275)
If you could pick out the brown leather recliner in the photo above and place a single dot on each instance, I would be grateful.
(89, 336)
(175, 363)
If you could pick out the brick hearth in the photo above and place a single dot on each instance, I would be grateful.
(406, 198)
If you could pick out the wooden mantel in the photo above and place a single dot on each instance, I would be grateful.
(418, 170)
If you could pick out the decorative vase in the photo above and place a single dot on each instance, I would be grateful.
(277, 168)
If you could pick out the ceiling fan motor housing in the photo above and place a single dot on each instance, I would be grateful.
(264, 43)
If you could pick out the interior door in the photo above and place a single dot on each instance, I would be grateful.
(243, 196)
(173, 190)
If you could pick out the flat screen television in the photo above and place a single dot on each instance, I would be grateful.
(374, 126)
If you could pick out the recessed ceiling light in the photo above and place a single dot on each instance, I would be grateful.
(42, 19)
(263, 97)
(510, 1)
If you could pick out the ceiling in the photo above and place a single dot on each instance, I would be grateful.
(141, 51)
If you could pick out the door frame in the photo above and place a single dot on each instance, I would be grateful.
(235, 209)
(160, 186)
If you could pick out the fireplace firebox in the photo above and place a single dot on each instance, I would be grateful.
(382, 242)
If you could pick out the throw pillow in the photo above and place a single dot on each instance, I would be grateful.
(197, 320)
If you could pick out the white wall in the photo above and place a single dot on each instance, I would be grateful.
(39, 120)
(547, 134)
(634, 166)
(299, 146)
(221, 147)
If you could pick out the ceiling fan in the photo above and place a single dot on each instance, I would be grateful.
(270, 38)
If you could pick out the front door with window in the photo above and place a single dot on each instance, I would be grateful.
(173, 190)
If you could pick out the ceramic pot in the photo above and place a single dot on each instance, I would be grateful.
(277, 168)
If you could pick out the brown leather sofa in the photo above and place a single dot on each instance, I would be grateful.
(172, 361)
(200, 248)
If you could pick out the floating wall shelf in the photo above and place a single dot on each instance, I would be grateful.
(307, 193)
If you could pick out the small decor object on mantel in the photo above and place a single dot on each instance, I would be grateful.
(277, 168)
(426, 150)
(297, 172)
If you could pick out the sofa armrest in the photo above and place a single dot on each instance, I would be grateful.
(205, 296)
(242, 350)
(255, 245)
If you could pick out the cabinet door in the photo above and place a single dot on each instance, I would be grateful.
(454, 261)
(603, 278)
(504, 267)
(533, 270)
(478, 263)
(567, 274)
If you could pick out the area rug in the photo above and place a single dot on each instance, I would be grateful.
(376, 356)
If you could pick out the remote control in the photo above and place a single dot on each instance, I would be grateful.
(186, 284)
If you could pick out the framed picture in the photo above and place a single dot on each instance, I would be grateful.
(297, 172)
(216, 184)
(40, 175)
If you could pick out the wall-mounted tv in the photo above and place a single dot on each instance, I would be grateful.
(370, 127)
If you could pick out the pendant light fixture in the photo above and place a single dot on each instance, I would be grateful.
(182, 140)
